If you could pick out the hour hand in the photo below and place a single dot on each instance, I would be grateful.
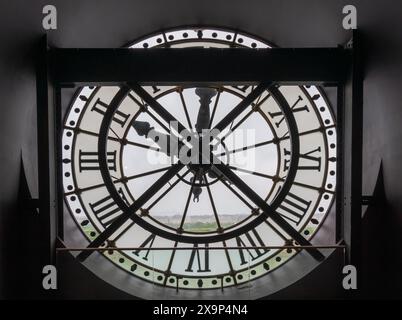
(143, 128)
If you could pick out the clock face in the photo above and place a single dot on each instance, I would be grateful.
(202, 222)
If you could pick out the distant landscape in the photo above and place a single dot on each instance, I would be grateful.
(200, 223)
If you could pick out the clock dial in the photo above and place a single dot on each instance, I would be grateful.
(282, 145)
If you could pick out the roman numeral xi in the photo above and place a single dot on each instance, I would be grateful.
(119, 117)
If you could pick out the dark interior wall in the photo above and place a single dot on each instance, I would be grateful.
(287, 23)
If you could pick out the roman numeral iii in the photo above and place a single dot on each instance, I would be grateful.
(90, 161)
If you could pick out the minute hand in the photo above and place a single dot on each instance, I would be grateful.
(203, 117)
(144, 129)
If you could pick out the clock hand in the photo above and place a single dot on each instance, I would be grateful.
(203, 117)
(143, 128)
(197, 190)
(156, 106)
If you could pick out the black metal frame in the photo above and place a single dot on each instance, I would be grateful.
(340, 67)
(165, 66)
(351, 106)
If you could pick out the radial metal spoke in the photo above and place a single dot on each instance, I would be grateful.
(183, 102)
(280, 179)
(90, 133)
(275, 141)
(117, 180)
(183, 218)
(211, 199)
(167, 271)
(214, 109)
(238, 124)
(229, 261)
(253, 173)
(121, 233)
(155, 105)
(154, 203)
(117, 136)
(236, 111)
(130, 211)
(95, 186)
(286, 136)
(245, 117)
(257, 145)
(143, 107)
(144, 146)
(227, 185)
(123, 141)
(252, 208)
(167, 130)
(280, 234)
(268, 210)
(167, 190)
(308, 186)
(140, 175)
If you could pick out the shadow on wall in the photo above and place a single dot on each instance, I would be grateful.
(381, 259)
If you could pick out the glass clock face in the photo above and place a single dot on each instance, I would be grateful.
(200, 210)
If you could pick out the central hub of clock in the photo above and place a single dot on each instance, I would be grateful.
(197, 168)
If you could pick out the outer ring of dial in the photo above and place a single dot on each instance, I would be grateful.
(102, 149)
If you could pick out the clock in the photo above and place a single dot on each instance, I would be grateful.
(198, 228)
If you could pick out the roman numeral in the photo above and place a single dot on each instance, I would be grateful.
(90, 161)
(251, 239)
(123, 196)
(155, 89)
(294, 108)
(241, 88)
(311, 157)
(105, 210)
(203, 264)
(148, 243)
(119, 117)
(294, 208)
